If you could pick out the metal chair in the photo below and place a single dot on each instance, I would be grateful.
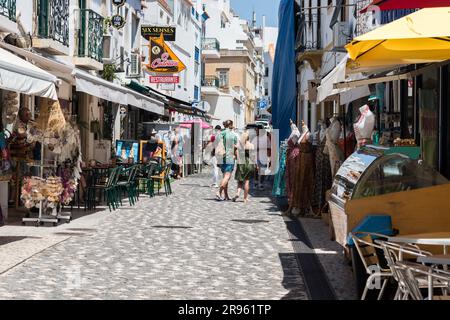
(366, 248)
(394, 253)
(411, 273)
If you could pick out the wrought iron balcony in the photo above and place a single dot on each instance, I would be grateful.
(90, 35)
(210, 81)
(53, 20)
(368, 21)
(211, 44)
(308, 34)
(8, 9)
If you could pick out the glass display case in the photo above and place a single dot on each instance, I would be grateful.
(374, 171)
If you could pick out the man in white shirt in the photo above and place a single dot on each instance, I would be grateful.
(262, 144)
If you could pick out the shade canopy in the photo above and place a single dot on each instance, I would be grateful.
(421, 37)
(337, 75)
(21, 76)
(406, 4)
(188, 124)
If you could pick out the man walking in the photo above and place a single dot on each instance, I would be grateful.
(225, 153)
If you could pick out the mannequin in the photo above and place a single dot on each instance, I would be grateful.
(299, 171)
(364, 126)
(331, 148)
(323, 179)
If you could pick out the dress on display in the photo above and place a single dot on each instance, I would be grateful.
(323, 178)
(279, 184)
(299, 174)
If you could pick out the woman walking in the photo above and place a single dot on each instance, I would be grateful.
(246, 166)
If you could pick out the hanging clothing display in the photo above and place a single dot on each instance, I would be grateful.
(323, 179)
(299, 171)
(279, 184)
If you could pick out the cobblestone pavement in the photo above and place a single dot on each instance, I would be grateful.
(185, 246)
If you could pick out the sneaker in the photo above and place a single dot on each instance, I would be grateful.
(219, 198)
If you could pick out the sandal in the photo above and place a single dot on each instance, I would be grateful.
(235, 198)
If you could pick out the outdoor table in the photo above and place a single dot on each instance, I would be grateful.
(430, 238)
(441, 259)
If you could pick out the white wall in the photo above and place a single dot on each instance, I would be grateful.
(225, 107)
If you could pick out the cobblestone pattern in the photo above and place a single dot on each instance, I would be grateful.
(331, 256)
(185, 246)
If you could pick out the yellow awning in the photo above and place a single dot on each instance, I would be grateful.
(421, 37)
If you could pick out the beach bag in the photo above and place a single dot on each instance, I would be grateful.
(220, 148)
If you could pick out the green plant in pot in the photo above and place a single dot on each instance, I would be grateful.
(109, 72)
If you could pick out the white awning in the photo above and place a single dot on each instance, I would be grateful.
(19, 75)
(100, 88)
(61, 70)
(146, 103)
(338, 75)
(113, 92)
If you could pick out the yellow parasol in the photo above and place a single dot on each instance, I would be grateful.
(421, 37)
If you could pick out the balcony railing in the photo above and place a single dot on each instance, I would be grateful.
(53, 20)
(368, 21)
(90, 35)
(308, 33)
(8, 9)
(211, 44)
(210, 81)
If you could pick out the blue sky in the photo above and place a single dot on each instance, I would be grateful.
(244, 9)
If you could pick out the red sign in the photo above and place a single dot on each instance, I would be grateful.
(164, 79)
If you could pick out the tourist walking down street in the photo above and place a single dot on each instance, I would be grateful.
(177, 153)
(246, 167)
(225, 154)
(213, 160)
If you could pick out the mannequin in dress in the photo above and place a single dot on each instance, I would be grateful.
(299, 171)
(322, 180)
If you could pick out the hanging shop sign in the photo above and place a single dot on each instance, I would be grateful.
(312, 90)
(154, 32)
(117, 21)
(162, 58)
(164, 79)
(118, 3)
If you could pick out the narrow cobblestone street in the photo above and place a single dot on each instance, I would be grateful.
(185, 246)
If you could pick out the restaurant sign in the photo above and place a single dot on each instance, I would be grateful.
(164, 79)
(162, 58)
(154, 32)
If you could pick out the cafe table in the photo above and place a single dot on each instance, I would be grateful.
(429, 238)
(440, 259)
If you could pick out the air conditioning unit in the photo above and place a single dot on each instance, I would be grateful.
(341, 34)
(134, 69)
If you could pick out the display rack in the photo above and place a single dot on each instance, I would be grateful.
(44, 218)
